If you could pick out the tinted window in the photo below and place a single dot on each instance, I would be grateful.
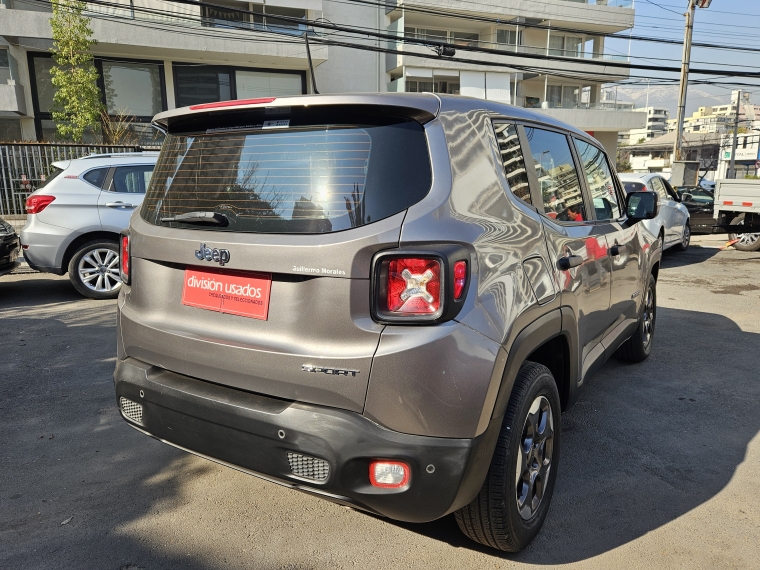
(557, 177)
(513, 160)
(307, 180)
(131, 179)
(54, 173)
(600, 183)
(96, 177)
(634, 187)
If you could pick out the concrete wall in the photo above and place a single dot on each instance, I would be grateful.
(609, 142)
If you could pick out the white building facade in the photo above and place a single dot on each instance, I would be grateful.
(154, 55)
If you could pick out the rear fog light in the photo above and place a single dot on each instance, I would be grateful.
(125, 260)
(460, 278)
(389, 474)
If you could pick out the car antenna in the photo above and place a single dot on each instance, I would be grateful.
(311, 66)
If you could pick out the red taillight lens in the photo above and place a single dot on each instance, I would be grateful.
(35, 204)
(125, 261)
(234, 103)
(414, 286)
(389, 474)
(460, 278)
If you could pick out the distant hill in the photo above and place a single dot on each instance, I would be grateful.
(667, 96)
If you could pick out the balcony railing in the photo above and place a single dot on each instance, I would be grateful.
(536, 103)
(611, 3)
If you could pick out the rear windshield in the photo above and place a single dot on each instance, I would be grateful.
(634, 187)
(315, 179)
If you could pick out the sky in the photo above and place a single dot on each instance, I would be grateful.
(726, 22)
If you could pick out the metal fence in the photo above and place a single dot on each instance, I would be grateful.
(25, 166)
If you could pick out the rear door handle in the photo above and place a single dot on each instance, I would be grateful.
(565, 263)
(118, 205)
(614, 250)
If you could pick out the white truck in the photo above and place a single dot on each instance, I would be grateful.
(737, 211)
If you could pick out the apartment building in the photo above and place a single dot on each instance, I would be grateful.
(567, 87)
(747, 162)
(719, 118)
(656, 126)
(154, 55)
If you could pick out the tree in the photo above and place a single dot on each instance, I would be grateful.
(623, 163)
(77, 102)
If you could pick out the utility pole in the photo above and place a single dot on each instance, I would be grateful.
(732, 165)
(684, 78)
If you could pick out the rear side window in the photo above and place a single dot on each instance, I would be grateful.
(659, 187)
(634, 187)
(96, 177)
(557, 177)
(600, 183)
(513, 160)
(131, 179)
(315, 179)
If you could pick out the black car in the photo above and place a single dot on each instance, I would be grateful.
(9, 248)
(699, 202)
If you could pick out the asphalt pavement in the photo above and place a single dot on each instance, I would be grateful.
(660, 461)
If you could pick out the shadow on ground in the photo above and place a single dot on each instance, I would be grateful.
(646, 443)
(692, 256)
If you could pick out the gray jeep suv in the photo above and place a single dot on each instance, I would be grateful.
(382, 300)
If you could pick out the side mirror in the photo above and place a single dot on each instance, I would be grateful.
(686, 197)
(641, 206)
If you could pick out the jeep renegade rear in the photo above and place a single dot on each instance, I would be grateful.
(383, 300)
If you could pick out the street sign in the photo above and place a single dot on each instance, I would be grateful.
(703, 3)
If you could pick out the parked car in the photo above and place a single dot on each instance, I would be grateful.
(699, 202)
(74, 218)
(382, 300)
(672, 223)
(9, 248)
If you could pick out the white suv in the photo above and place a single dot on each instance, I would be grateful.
(74, 218)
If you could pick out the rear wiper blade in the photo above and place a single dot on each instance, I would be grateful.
(214, 218)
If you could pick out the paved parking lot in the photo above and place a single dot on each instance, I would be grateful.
(660, 461)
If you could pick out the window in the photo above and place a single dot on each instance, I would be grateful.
(513, 160)
(556, 45)
(252, 84)
(573, 46)
(554, 96)
(10, 130)
(600, 182)
(557, 177)
(570, 97)
(441, 35)
(197, 84)
(134, 88)
(634, 187)
(464, 38)
(314, 179)
(5, 66)
(509, 37)
(44, 83)
(450, 87)
(225, 14)
(131, 179)
(267, 16)
(96, 177)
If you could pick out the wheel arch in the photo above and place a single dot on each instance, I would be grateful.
(550, 340)
(79, 241)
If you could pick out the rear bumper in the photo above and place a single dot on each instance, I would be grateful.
(45, 245)
(254, 433)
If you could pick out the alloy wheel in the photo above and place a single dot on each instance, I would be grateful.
(648, 324)
(535, 457)
(686, 236)
(99, 270)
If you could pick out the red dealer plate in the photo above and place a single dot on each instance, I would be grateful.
(233, 292)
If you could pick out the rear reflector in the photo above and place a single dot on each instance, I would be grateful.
(389, 474)
(235, 103)
(747, 204)
(35, 204)
(728, 202)
(414, 286)
(460, 278)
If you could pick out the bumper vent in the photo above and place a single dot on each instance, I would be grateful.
(310, 468)
(132, 410)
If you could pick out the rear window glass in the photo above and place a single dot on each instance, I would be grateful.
(54, 173)
(314, 179)
(634, 187)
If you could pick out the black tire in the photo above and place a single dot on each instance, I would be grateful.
(683, 245)
(493, 518)
(639, 346)
(97, 251)
(752, 241)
